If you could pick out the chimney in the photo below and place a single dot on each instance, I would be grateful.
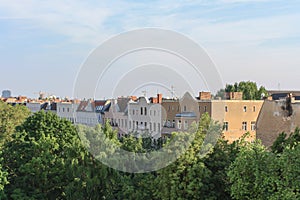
(153, 100)
(133, 98)
(159, 98)
(234, 95)
(204, 95)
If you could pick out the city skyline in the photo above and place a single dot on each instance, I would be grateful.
(44, 44)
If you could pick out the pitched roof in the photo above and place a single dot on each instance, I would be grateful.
(83, 105)
(123, 103)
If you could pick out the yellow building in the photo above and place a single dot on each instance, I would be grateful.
(236, 115)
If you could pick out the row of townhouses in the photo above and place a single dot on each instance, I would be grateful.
(159, 116)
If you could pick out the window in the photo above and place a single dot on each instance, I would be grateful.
(154, 126)
(184, 109)
(226, 109)
(141, 110)
(145, 124)
(178, 108)
(169, 108)
(145, 112)
(245, 109)
(63, 109)
(133, 112)
(199, 108)
(168, 123)
(150, 126)
(154, 112)
(158, 127)
(173, 124)
(254, 109)
(150, 112)
(172, 108)
(129, 124)
(179, 124)
(185, 125)
(225, 126)
(68, 109)
(205, 108)
(244, 126)
(253, 126)
(137, 125)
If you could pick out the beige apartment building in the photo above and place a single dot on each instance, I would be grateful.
(236, 115)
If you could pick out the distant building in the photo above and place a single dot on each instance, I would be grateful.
(117, 114)
(236, 115)
(6, 93)
(277, 116)
(67, 110)
(282, 94)
(144, 116)
(34, 106)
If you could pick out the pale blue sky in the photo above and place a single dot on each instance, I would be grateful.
(43, 43)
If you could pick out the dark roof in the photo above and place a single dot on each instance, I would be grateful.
(279, 94)
(99, 105)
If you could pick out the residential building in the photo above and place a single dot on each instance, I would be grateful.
(34, 106)
(117, 114)
(67, 110)
(278, 116)
(145, 116)
(236, 115)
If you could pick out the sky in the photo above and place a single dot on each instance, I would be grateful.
(43, 44)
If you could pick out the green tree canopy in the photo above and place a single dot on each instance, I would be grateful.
(10, 118)
(46, 160)
(250, 90)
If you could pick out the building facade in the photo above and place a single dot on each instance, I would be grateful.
(144, 116)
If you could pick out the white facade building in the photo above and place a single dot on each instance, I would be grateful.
(67, 110)
(145, 117)
(85, 113)
(34, 106)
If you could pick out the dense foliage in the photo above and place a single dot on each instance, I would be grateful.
(47, 158)
(249, 89)
(10, 118)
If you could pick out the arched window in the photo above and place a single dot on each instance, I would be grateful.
(141, 110)
(145, 111)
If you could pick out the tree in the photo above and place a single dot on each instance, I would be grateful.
(10, 118)
(252, 175)
(249, 89)
(189, 177)
(282, 141)
(46, 160)
(258, 173)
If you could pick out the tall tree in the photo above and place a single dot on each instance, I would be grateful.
(249, 89)
(10, 118)
(46, 160)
